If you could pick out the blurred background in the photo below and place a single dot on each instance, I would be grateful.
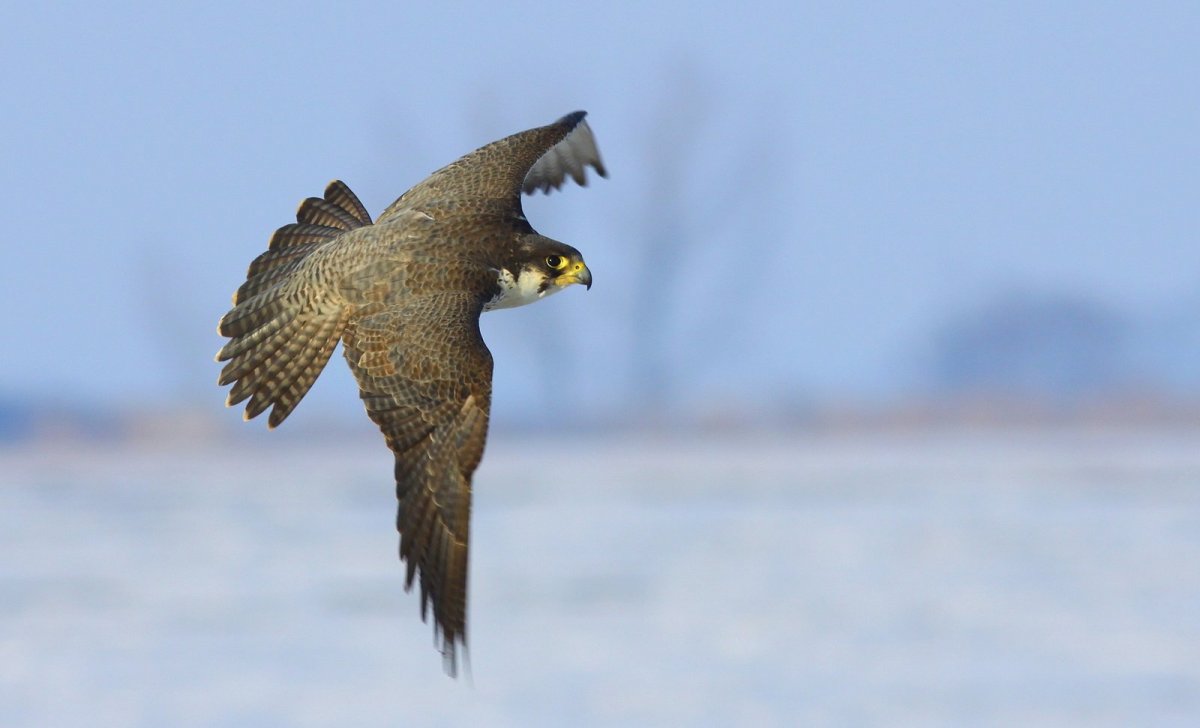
(883, 407)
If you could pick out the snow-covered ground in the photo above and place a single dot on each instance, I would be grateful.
(1035, 579)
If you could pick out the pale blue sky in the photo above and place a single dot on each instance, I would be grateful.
(849, 175)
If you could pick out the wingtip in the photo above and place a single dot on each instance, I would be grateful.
(573, 118)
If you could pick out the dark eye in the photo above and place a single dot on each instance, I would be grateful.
(554, 262)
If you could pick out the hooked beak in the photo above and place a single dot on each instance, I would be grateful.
(579, 273)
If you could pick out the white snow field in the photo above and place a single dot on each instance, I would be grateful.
(1041, 578)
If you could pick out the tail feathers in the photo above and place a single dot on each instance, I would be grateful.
(282, 328)
(299, 233)
(318, 220)
(249, 341)
(251, 314)
(274, 266)
(348, 207)
(275, 365)
(317, 211)
(249, 351)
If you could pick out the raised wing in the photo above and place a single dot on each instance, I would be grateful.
(572, 156)
(530, 160)
(425, 377)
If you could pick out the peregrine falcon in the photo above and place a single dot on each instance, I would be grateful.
(404, 295)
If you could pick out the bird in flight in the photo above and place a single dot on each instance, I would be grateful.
(404, 295)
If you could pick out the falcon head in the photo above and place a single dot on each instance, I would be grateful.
(545, 267)
(556, 268)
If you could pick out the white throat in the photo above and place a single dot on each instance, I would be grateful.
(520, 290)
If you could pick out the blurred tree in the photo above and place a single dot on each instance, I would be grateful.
(179, 323)
(1048, 346)
(1166, 349)
(698, 270)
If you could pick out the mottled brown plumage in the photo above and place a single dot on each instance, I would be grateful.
(404, 296)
